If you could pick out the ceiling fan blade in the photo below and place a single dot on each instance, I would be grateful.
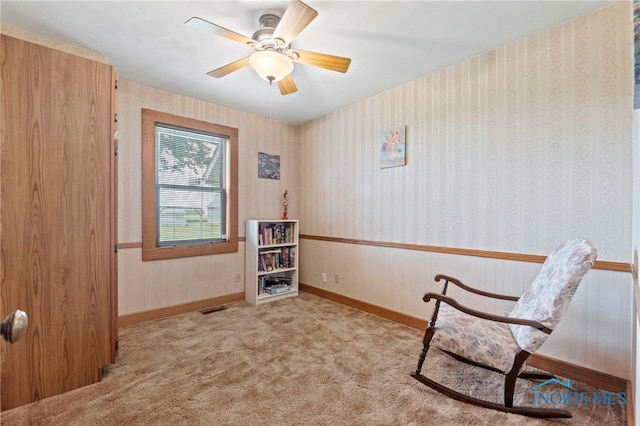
(229, 68)
(330, 62)
(287, 86)
(201, 24)
(295, 19)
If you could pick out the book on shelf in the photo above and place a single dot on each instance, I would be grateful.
(277, 289)
(272, 281)
(282, 258)
(273, 285)
(268, 262)
(289, 257)
(275, 233)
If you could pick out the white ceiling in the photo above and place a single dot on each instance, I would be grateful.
(389, 42)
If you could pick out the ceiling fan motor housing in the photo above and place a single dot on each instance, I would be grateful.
(268, 23)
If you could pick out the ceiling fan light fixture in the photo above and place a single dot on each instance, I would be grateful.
(271, 65)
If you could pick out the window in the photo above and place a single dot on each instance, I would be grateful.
(189, 187)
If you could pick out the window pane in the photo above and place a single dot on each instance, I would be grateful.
(188, 215)
(190, 185)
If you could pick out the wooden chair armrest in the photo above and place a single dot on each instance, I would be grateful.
(479, 314)
(459, 283)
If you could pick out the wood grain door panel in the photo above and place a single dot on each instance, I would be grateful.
(55, 219)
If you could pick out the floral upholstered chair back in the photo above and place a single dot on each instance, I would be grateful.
(551, 292)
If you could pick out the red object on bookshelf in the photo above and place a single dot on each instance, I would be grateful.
(285, 204)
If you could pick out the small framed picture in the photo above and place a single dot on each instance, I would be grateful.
(268, 166)
(392, 147)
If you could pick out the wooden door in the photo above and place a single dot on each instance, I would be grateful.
(56, 219)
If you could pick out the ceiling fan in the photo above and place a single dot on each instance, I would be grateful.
(273, 57)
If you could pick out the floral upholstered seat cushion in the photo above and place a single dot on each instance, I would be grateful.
(487, 342)
(549, 295)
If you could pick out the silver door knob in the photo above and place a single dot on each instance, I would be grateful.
(14, 326)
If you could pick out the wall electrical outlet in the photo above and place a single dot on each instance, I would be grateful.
(324, 277)
(336, 278)
(238, 277)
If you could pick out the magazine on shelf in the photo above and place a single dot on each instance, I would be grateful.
(274, 285)
(278, 289)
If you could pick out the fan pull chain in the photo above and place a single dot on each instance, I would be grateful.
(269, 98)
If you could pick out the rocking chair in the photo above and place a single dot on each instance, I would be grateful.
(503, 343)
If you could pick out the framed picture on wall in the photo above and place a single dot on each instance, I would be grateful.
(392, 147)
(268, 166)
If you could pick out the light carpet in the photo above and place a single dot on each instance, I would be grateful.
(298, 361)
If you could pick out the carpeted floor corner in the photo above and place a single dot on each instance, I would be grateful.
(298, 361)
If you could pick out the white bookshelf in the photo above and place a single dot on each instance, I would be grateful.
(272, 259)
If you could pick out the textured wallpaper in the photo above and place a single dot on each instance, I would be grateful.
(514, 150)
